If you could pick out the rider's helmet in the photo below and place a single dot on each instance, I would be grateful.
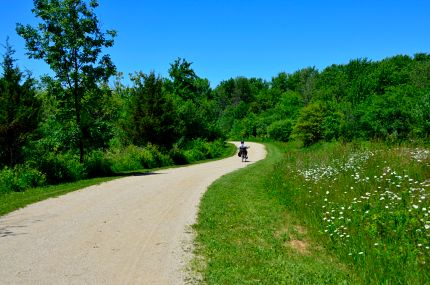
(242, 142)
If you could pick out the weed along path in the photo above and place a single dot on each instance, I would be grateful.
(128, 231)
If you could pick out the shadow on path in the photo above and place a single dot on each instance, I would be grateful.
(8, 231)
(136, 173)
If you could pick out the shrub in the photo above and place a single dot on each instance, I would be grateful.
(61, 168)
(280, 130)
(159, 158)
(200, 149)
(126, 160)
(178, 156)
(197, 149)
(217, 148)
(134, 158)
(7, 180)
(309, 127)
(20, 178)
(333, 124)
(97, 165)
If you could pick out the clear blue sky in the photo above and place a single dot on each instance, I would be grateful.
(230, 38)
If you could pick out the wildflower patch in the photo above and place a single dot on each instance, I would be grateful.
(371, 206)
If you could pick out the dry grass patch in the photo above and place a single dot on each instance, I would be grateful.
(294, 237)
(299, 246)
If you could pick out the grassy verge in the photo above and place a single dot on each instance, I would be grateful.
(246, 236)
(14, 200)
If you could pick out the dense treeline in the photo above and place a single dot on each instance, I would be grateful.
(77, 125)
(384, 100)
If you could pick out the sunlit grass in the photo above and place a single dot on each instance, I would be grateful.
(245, 236)
(370, 205)
(15, 200)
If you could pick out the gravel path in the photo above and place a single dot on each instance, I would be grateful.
(133, 230)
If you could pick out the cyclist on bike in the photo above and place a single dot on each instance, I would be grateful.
(242, 149)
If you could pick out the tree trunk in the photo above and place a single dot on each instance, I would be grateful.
(76, 91)
(79, 124)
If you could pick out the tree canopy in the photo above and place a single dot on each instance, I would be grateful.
(69, 39)
(19, 110)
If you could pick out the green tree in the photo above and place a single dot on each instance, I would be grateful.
(289, 105)
(280, 82)
(280, 130)
(19, 110)
(333, 83)
(152, 112)
(389, 116)
(362, 81)
(304, 81)
(309, 127)
(70, 40)
(420, 71)
(184, 79)
(195, 109)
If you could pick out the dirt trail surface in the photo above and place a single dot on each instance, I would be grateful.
(127, 231)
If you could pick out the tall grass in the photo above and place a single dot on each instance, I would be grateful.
(367, 203)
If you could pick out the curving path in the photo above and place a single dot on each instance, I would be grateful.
(133, 230)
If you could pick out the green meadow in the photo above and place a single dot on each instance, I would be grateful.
(333, 213)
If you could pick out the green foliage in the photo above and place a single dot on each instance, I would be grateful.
(152, 113)
(309, 126)
(196, 112)
(128, 159)
(136, 158)
(333, 83)
(97, 165)
(289, 105)
(389, 114)
(280, 130)
(61, 167)
(306, 83)
(421, 116)
(200, 149)
(236, 99)
(100, 113)
(184, 79)
(70, 41)
(357, 97)
(191, 119)
(159, 157)
(178, 155)
(333, 126)
(20, 178)
(19, 111)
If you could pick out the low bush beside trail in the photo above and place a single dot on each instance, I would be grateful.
(57, 168)
(20, 178)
